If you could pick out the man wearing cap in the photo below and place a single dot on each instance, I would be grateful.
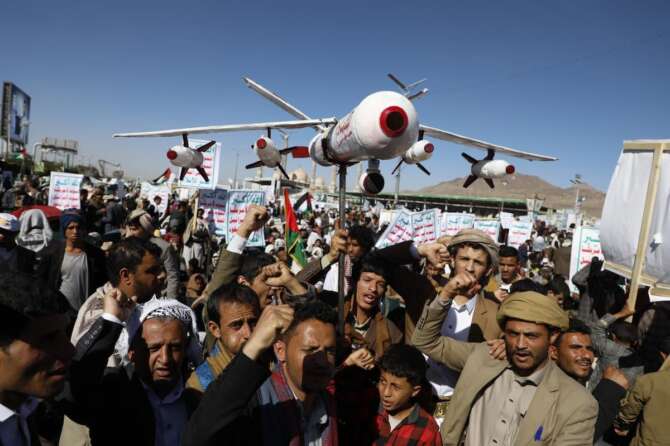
(471, 318)
(141, 225)
(12, 256)
(523, 400)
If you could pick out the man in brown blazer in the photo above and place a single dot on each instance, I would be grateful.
(524, 400)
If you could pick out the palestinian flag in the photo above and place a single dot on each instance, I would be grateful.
(294, 245)
(165, 176)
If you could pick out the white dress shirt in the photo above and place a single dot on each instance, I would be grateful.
(14, 425)
(456, 326)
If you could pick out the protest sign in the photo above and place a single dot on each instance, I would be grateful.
(213, 203)
(506, 219)
(519, 232)
(585, 246)
(451, 223)
(64, 190)
(225, 209)
(150, 191)
(425, 226)
(210, 164)
(398, 231)
(386, 217)
(490, 227)
(238, 202)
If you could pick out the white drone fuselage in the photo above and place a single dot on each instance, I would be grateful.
(266, 151)
(383, 126)
(185, 157)
(420, 151)
(491, 169)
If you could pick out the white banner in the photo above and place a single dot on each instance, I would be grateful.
(451, 223)
(210, 164)
(519, 232)
(149, 191)
(425, 226)
(399, 230)
(622, 217)
(506, 219)
(585, 246)
(490, 227)
(64, 190)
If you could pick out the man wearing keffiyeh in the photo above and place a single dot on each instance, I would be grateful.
(160, 339)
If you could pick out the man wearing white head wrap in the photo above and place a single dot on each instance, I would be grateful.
(149, 392)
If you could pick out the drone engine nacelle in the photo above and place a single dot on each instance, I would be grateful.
(420, 151)
(492, 169)
(371, 182)
(381, 127)
(185, 157)
(267, 152)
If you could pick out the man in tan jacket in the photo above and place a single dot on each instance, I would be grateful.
(524, 400)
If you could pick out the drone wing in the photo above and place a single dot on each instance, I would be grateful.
(234, 128)
(483, 145)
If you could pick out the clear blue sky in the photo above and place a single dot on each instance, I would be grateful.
(571, 79)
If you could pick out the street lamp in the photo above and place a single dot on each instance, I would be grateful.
(577, 181)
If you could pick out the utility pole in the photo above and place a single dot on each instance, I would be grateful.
(237, 160)
(397, 187)
(577, 181)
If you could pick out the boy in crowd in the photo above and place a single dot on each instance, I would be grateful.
(401, 420)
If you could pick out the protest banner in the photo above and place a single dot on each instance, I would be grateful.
(585, 246)
(490, 227)
(386, 217)
(519, 232)
(213, 203)
(452, 222)
(398, 231)
(210, 164)
(634, 228)
(506, 219)
(238, 202)
(425, 226)
(150, 191)
(64, 190)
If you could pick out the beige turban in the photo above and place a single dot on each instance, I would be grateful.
(143, 218)
(477, 237)
(533, 307)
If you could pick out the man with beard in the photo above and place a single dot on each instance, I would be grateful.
(573, 352)
(521, 400)
(35, 354)
(244, 406)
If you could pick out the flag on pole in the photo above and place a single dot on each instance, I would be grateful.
(294, 245)
(165, 176)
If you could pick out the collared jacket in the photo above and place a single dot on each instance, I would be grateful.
(416, 290)
(111, 402)
(649, 401)
(562, 412)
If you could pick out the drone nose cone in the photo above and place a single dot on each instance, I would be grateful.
(261, 143)
(509, 170)
(393, 121)
(428, 148)
(171, 154)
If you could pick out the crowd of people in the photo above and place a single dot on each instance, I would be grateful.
(123, 323)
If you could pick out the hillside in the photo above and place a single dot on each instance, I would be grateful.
(524, 186)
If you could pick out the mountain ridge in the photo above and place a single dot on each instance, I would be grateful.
(525, 186)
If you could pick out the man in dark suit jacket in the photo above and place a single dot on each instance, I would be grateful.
(146, 405)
